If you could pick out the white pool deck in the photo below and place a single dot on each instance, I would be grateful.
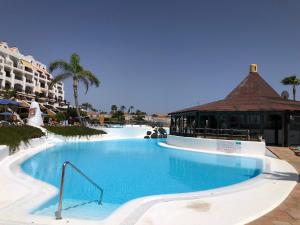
(235, 204)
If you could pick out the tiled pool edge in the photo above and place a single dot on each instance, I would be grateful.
(10, 168)
(244, 211)
(287, 212)
(150, 202)
(138, 217)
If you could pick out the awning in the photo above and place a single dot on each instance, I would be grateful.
(27, 64)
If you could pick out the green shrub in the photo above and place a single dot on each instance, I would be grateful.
(23, 115)
(60, 116)
(117, 117)
(70, 131)
(13, 136)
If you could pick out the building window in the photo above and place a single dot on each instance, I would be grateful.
(7, 73)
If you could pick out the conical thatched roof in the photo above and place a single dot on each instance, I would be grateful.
(252, 94)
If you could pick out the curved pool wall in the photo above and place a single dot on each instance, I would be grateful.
(255, 148)
(129, 169)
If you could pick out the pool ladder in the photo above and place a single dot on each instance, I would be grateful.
(62, 181)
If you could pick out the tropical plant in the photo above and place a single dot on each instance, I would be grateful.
(139, 116)
(130, 109)
(114, 108)
(118, 117)
(87, 106)
(69, 131)
(10, 93)
(123, 108)
(13, 136)
(60, 116)
(94, 110)
(74, 70)
(291, 80)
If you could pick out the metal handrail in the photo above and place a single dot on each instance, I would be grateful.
(231, 133)
(65, 164)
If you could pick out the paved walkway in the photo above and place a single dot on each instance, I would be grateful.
(288, 212)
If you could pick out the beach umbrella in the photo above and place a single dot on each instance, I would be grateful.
(5, 114)
(8, 102)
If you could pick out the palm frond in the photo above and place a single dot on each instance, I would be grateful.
(85, 82)
(59, 78)
(90, 76)
(75, 62)
(59, 64)
(291, 80)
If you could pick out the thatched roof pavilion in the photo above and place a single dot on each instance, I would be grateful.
(253, 108)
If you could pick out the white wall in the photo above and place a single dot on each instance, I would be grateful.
(127, 131)
(226, 146)
(4, 151)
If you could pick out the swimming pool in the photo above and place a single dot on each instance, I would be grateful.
(128, 169)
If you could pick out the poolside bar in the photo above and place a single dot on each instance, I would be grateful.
(252, 111)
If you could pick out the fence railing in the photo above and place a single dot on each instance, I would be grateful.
(216, 133)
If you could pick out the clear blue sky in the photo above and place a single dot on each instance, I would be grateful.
(158, 55)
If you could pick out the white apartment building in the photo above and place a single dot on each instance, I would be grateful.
(27, 76)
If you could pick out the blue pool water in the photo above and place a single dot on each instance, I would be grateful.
(128, 169)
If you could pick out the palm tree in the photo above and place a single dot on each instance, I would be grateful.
(114, 108)
(94, 110)
(130, 109)
(291, 80)
(87, 106)
(123, 108)
(74, 70)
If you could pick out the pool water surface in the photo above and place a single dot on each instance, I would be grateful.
(129, 169)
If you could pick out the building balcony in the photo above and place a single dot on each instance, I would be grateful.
(9, 79)
(17, 70)
(18, 77)
(44, 89)
(8, 63)
(43, 78)
(16, 81)
(28, 72)
(19, 67)
(29, 82)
